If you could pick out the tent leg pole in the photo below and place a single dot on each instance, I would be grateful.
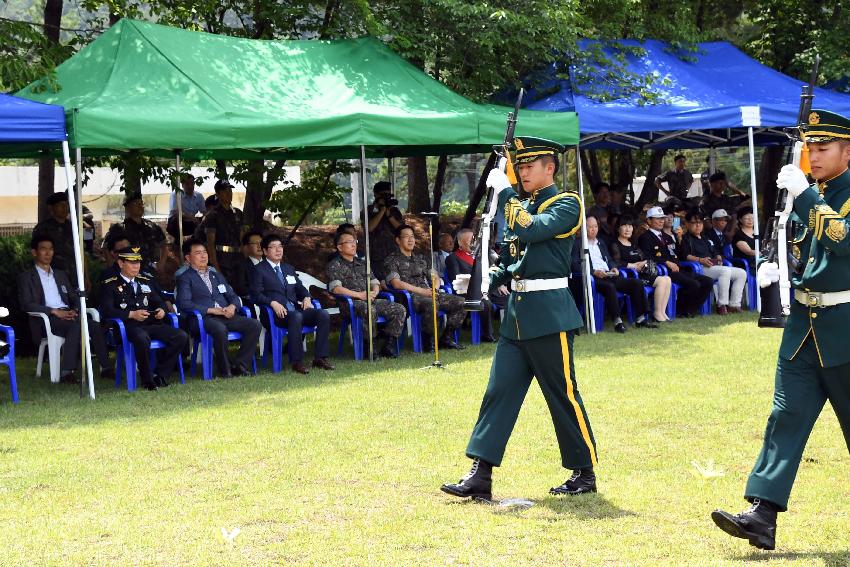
(178, 199)
(365, 197)
(75, 208)
(585, 253)
(755, 202)
(391, 172)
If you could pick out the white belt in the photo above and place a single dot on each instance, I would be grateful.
(818, 299)
(539, 285)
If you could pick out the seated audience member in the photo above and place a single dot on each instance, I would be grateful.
(602, 208)
(717, 197)
(717, 232)
(347, 276)
(203, 289)
(44, 289)
(347, 228)
(410, 271)
(88, 230)
(192, 206)
(695, 248)
(252, 253)
(628, 255)
(130, 297)
(694, 289)
(116, 241)
(276, 284)
(608, 280)
(674, 232)
(460, 262)
(744, 241)
(445, 247)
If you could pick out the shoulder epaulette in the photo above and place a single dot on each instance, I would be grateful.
(551, 200)
(141, 277)
(108, 280)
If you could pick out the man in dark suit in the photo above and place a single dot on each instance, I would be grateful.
(130, 297)
(203, 289)
(276, 284)
(654, 243)
(46, 290)
(608, 280)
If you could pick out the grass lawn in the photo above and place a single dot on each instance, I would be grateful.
(344, 468)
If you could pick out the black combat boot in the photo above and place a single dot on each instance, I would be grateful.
(478, 482)
(388, 348)
(757, 524)
(581, 482)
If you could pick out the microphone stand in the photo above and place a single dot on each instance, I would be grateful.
(434, 280)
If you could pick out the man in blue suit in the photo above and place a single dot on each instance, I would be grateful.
(276, 284)
(203, 289)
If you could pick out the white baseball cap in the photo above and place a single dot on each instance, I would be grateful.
(719, 213)
(655, 213)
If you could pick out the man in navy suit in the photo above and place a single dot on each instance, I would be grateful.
(276, 284)
(203, 289)
(608, 280)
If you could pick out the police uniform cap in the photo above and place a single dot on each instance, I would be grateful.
(528, 149)
(222, 184)
(130, 254)
(824, 126)
(57, 198)
(135, 195)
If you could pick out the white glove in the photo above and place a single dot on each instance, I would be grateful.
(792, 179)
(767, 274)
(461, 283)
(4, 312)
(497, 178)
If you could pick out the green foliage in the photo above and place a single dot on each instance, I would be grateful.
(16, 258)
(319, 193)
(26, 56)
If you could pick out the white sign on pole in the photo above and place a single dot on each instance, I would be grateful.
(750, 116)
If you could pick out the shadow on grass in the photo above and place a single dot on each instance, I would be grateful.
(59, 405)
(829, 558)
(585, 507)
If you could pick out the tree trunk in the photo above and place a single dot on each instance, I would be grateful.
(649, 194)
(417, 185)
(256, 194)
(590, 168)
(480, 192)
(52, 21)
(471, 176)
(439, 182)
(772, 161)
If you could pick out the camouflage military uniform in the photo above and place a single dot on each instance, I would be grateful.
(63, 245)
(414, 270)
(146, 235)
(352, 275)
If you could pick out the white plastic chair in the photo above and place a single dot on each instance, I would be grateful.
(53, 344)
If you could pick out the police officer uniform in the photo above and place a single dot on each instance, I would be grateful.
(352, 275)
(145, 234)
(120, 296)
(536, 333)
(814, 356)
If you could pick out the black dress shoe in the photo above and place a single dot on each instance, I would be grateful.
(757, 525)
(149, 385)
(159, 381)
(582, 481)
(323, 364)
(239, 370)
(69, 378)
(448, 343)
(478, 482)
(489, 339)
(646, 324)
(300, 368)
(387, 351)
(620, 328)
(107, 373)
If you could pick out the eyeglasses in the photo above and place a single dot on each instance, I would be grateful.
(341, 242)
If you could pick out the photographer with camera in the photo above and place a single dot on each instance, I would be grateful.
(384, 219)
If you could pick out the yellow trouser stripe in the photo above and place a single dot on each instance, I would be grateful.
(582, 423)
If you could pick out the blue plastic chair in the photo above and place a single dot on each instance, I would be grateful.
(674, 293)
(474, 316)
(648, 290)
(752, 284)
(416, 319)
(277, 334)
(204, 342)
(125, 361)
(355, 324)
(705, 309)
(599, 304)
(9, 360)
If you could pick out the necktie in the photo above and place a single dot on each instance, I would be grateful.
(135, 287)
(279, 272)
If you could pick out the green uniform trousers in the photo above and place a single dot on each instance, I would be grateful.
(550, 359)
(802, 387)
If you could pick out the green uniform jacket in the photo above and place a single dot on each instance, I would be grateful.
(822, 244)
(537, 244)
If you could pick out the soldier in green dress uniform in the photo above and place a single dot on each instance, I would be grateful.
(540, 322)
(814, 356)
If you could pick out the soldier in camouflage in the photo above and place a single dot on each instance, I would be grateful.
(411, 272)
(347, 276)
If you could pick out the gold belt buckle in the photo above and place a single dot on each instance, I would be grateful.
(520, 285)
(814, 299)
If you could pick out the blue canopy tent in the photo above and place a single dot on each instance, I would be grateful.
(714, 96)
(30, 127)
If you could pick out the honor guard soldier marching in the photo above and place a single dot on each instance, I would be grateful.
(537, 331)
(347, 276)
(814, 356)
(130, 297)
(140, 231)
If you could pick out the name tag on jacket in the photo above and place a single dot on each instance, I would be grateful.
(290, 280)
